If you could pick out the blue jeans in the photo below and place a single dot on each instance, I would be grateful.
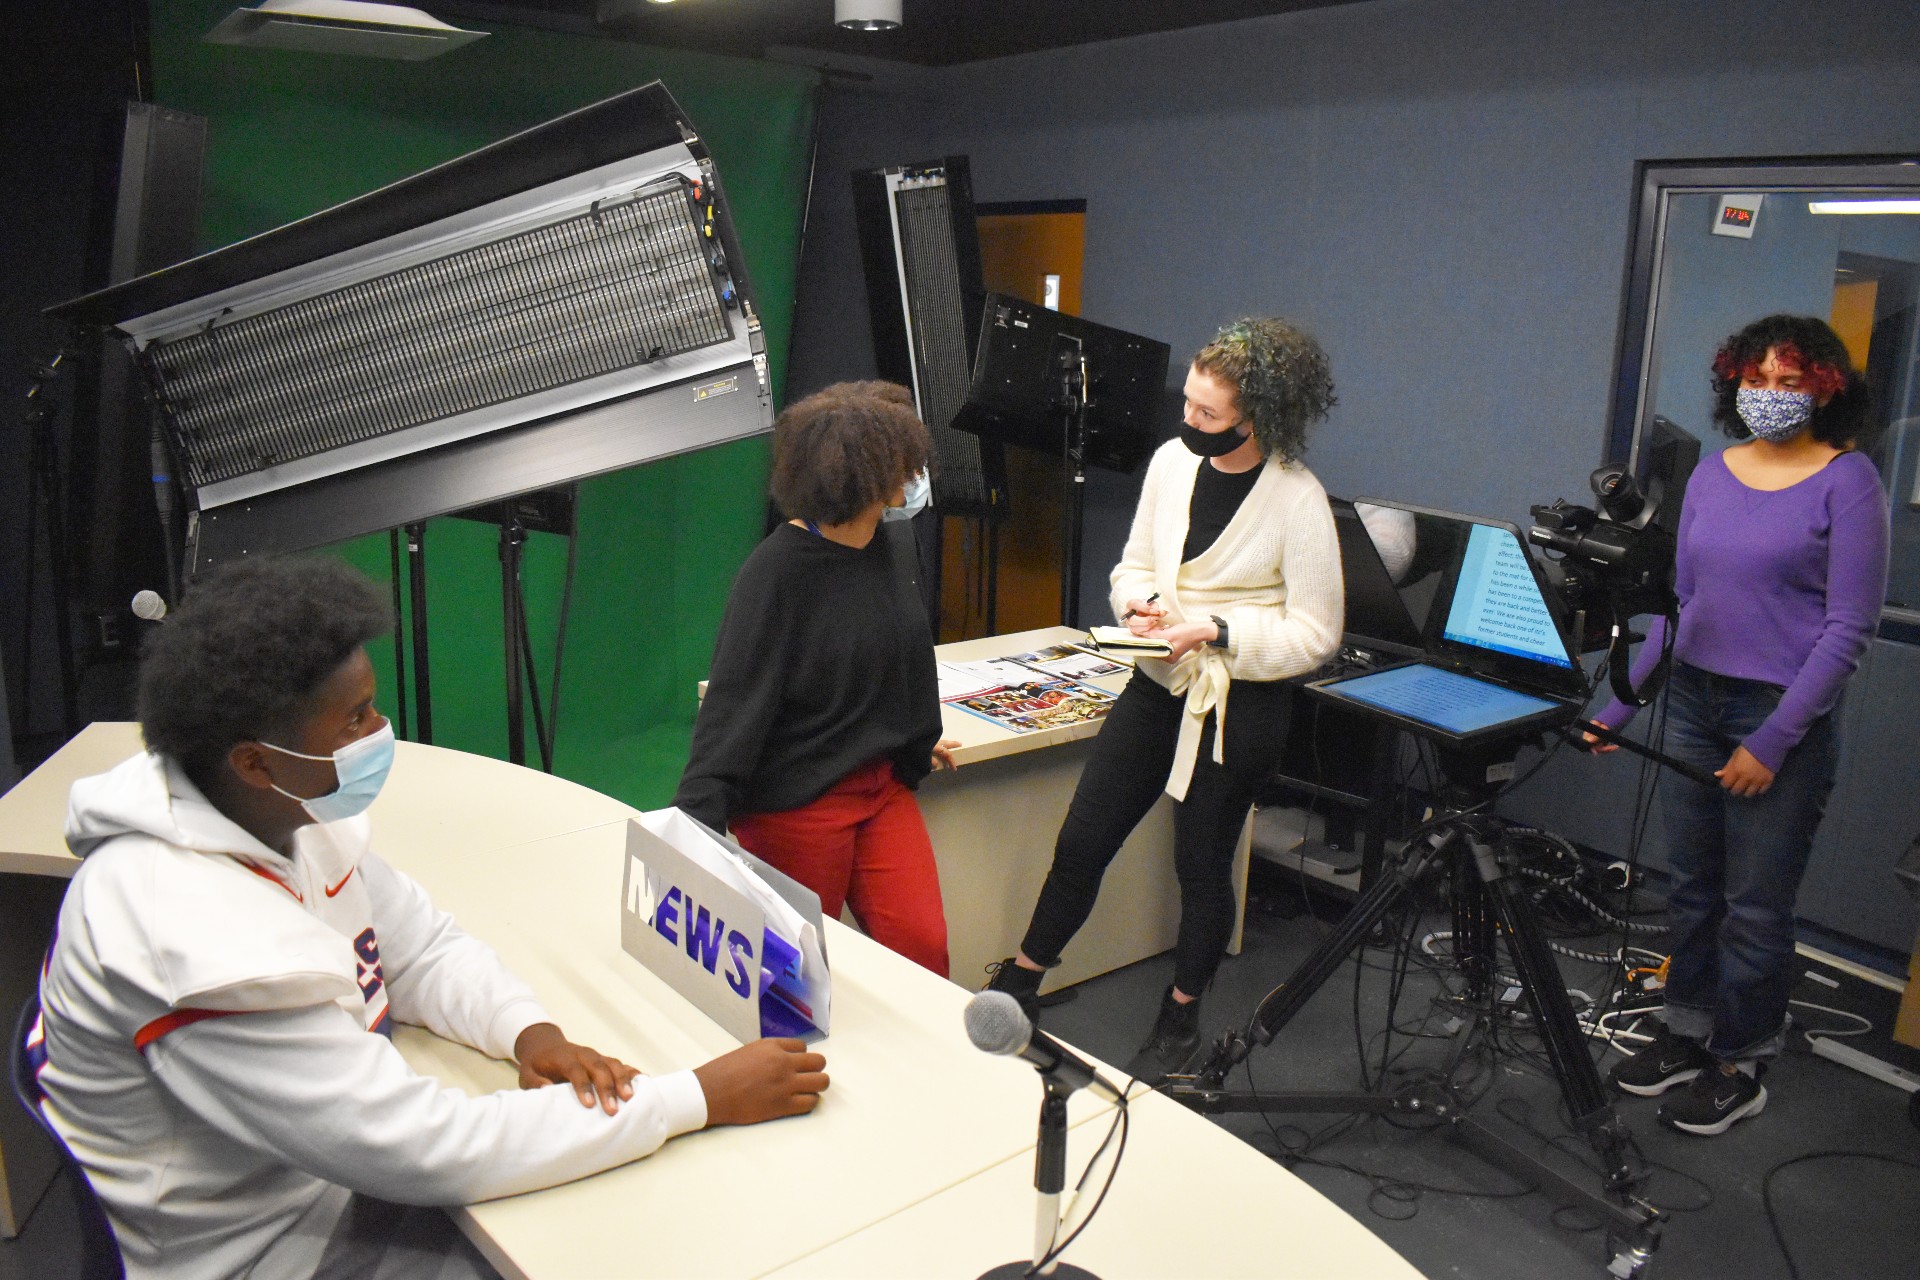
(1737, 863)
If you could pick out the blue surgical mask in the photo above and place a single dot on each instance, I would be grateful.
(361, 767)
(1774, 416)
(918, 490)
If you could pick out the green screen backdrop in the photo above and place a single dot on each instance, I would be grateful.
(294, 133)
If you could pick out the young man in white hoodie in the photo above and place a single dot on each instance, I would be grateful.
(219, 998)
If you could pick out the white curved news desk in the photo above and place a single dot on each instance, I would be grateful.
(918, 1162)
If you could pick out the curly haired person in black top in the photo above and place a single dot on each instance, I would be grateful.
(823, 707)
(1232, 560)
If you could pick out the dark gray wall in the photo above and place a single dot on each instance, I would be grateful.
(1441, 189)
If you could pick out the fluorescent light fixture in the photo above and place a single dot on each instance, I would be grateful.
(1863, 206)
(341, 26)
(867, 15)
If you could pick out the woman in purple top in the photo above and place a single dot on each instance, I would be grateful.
(1781, 572)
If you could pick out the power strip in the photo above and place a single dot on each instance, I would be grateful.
(1865, 1063)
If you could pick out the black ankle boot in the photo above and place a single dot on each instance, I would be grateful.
(1023, 984)
(1173, 1044)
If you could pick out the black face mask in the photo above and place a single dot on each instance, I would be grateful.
(1211, 444)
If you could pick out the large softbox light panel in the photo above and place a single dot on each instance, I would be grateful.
(569, 301)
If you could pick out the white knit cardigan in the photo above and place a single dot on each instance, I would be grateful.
(1273, 576)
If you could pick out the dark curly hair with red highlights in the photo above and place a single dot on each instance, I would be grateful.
(1281, 381)
(244, 654)
(1826, 367)
(844, 448)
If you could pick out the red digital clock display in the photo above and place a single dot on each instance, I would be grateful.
(1734, 216)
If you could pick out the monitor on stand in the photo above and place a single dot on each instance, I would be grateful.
(1060, 384)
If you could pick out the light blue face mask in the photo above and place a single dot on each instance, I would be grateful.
(361, 767)
(918, 490)
(1774, 416)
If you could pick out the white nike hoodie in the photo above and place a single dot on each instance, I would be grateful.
(217, 1022)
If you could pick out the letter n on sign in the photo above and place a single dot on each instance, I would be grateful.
(706, 909)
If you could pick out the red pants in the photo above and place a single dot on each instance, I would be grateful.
(862, 844)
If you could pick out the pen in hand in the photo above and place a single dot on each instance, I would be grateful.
(1129, 614)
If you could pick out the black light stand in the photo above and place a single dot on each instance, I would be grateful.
(542, 511)
(47, 513)
(1070, 360)
(417, 617)
(1488, 903)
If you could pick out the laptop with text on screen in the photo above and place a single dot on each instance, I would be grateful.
(1497, 661)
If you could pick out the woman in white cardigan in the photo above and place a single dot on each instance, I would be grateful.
(1233, 561)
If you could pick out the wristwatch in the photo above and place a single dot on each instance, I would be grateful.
(1219, 641)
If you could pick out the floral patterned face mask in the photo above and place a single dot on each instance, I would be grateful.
(1774, 416)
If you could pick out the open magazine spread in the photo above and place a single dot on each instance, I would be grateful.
(1028, 692)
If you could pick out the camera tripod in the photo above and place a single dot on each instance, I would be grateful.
(1488, 903)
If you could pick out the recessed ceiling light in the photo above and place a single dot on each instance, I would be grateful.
(867, 15)
(1863, 206)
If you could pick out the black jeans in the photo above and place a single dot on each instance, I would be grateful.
(1126, 774)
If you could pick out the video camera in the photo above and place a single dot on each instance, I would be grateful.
(1616, 559)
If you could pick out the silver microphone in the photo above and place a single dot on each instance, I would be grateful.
(995, 1024)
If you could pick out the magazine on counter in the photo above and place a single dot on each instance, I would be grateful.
(1029, 692)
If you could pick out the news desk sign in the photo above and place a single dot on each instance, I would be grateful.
(694, 931)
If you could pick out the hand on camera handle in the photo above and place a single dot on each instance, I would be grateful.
(1742, 775)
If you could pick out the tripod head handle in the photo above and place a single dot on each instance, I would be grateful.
(1702, 776)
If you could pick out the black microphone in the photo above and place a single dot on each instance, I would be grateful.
(995, 1024)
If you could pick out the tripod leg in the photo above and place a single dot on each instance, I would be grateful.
(1566, 1045)
(1546, 990)
(1292, 995)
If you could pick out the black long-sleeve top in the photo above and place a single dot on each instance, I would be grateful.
(824, 662)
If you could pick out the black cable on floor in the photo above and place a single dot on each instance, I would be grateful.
(1766, 1191)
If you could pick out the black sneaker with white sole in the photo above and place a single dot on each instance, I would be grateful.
(1670, 1060)
(1716, 1099)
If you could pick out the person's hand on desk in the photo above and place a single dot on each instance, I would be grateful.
(547, 1057)
(1184, 637)
(943, 755)
(762, 1081)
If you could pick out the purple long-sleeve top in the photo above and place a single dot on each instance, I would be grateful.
(1782, 586)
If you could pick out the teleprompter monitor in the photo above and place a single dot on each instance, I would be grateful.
(1377, 618)
(1497, 657)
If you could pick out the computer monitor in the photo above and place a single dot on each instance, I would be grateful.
(1664, 460)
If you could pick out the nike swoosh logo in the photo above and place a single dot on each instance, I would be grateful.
(343, 883)
(1723, 1103)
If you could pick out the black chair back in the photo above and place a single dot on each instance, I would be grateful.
(99, 1251)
